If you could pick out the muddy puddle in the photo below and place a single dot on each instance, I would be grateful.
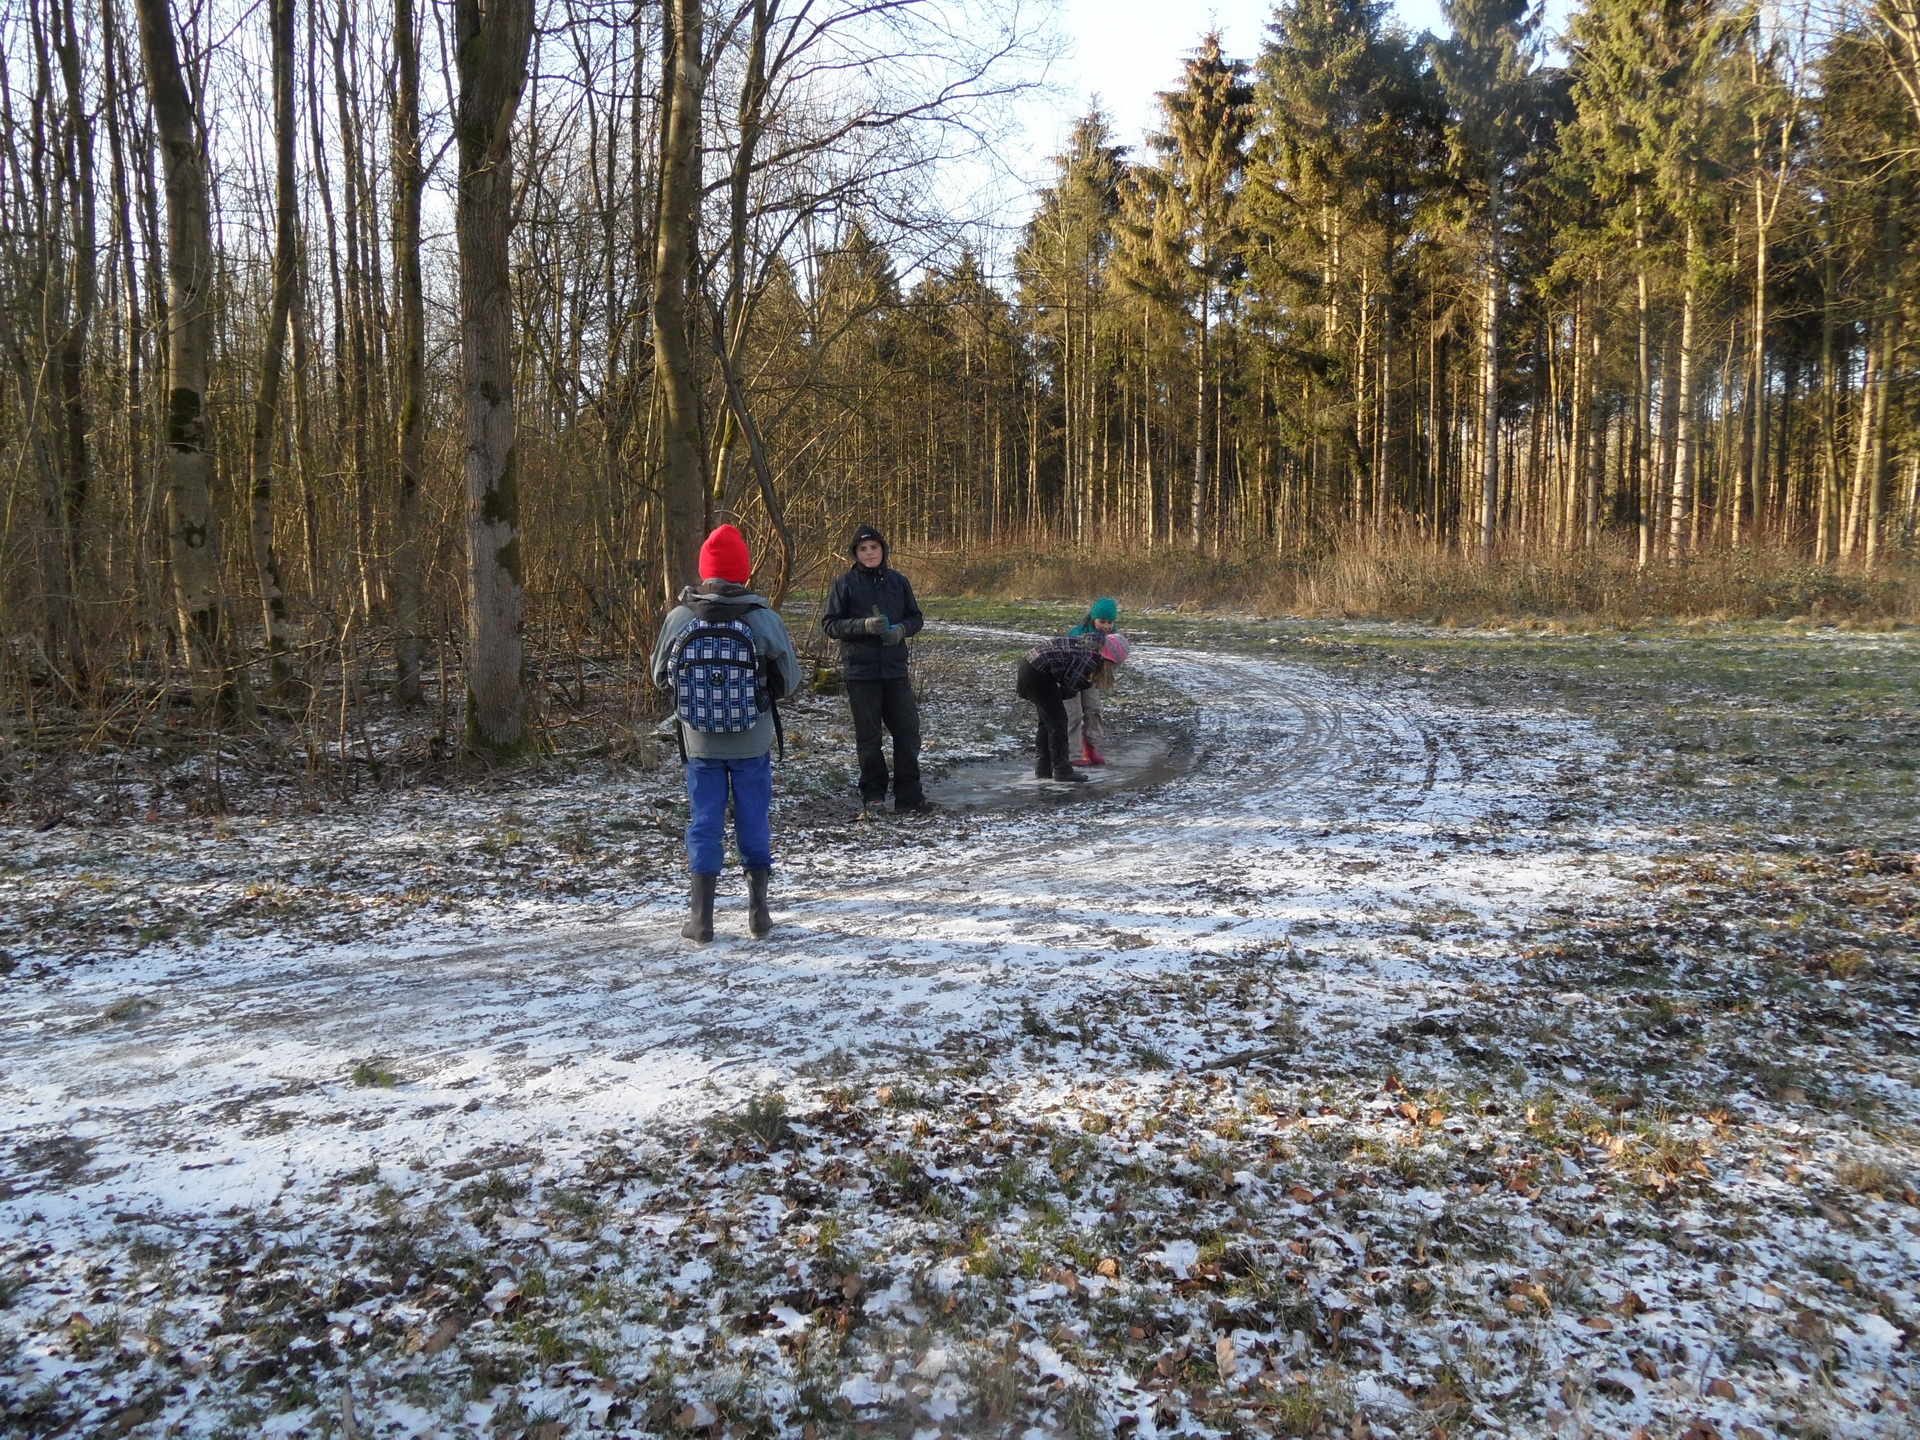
(1145, 758)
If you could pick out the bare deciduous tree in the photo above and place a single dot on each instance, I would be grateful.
(491, 48)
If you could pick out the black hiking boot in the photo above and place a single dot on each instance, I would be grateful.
(1042, 770)
(699, 924)
(759, 918)
(1071, 774)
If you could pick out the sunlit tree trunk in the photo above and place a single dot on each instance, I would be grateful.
(1643, 453)
(1203, 420)
(1683, 456)
(1489, 393)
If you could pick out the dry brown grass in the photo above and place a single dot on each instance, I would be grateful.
(1411, 582)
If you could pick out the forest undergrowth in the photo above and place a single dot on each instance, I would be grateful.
(1644, 1164)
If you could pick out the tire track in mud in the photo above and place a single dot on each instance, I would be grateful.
(1319, 814)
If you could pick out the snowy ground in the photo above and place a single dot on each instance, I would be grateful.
(1364, 1052)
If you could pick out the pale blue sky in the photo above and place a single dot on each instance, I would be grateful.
(1125, 51)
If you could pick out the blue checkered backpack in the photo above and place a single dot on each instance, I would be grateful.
(716, 678)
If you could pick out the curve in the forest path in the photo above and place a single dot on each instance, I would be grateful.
(1316, 817)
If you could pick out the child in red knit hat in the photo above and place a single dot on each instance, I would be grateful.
(727, 657)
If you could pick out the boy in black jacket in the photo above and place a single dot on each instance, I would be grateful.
(872, 613)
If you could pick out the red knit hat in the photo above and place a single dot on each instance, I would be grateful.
(724, 557)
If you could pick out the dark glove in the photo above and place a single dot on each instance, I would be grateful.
(893, 635)
(875, 624)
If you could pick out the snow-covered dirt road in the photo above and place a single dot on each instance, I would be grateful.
(1315, 818)
(1365, 1053)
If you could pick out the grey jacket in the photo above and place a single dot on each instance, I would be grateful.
(722, 600)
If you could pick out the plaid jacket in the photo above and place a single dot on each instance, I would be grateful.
(1069, 661)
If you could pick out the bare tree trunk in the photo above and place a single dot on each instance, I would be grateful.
(1596, 439)
(133, 405)
(266, 403)
(408, 181)
(1755, 483)
(1874, 416)
(683, 481)
(1203, 426)
(1890, 316)
(1643, 466)
(1683, 459)
(492, 42)
(1865, 422)
(303, 436)
(1826, 538)
(193, 552)
(76, 456)
(357, 317)
(1490, 393)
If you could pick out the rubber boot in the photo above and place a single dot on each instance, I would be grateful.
(1069, 773)
(1092, 756)
(759, 918)
(699, 924)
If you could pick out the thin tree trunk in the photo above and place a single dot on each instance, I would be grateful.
(135, 477)
(1755, 485)
(1874, 417)
(82, 287)
(1890, 315)
(492, 42)
(355, 358)
(408, 182)
(1683, 458)
(1643, 397)
(266, 403)
(1203, 436)
(1596, 436)
(1827, 540)
(1490, 390)
(1853, 517)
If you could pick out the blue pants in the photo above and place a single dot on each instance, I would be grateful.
(708, 782)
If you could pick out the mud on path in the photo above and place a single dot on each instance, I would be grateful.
(1359, 1056)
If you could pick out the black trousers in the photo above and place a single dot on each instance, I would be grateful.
(1050, 739)
(888, 704)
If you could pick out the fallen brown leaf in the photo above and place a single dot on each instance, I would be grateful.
(1225, 1361)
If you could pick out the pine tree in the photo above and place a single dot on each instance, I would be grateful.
(1062, 268)
(1184, 227)
(1344, 153)
(1488, 70)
